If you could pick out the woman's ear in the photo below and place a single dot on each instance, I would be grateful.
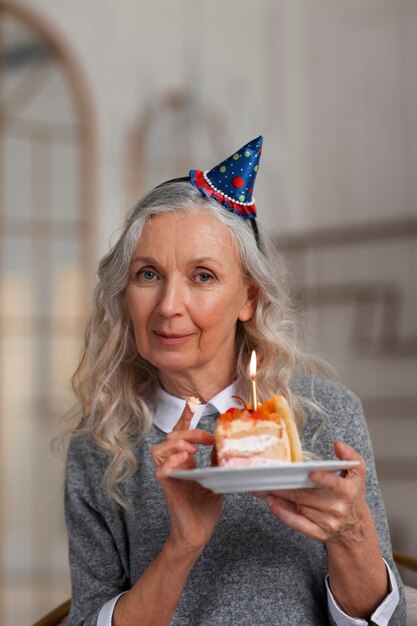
(249, 307)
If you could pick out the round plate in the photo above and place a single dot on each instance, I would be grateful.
(263, 478)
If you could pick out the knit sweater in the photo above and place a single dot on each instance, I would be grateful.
(254, 570)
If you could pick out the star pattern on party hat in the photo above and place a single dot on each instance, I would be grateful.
(231, 182)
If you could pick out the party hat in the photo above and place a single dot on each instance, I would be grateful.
(231, 182)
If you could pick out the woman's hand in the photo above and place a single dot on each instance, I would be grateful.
(339, 515)
(194, 513)
(194, 510)
(337, 512)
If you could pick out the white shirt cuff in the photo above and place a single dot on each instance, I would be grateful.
(381, 616)
(106, 612)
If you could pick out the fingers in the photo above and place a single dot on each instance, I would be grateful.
(195, 436)
(345, 452)
(185, 419)
(328, 513)
(303, 498)
(178, 460)
(172, 455)
(331, 481)
(292, 516)
(162, 452)
(181, 442)
(312, 522)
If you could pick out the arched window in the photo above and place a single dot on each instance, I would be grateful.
(46, 203)
(172, 134)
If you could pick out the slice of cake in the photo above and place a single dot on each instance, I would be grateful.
(246, 438)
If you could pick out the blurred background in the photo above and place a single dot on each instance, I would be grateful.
(100, 101)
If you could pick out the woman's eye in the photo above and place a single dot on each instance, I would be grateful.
(203, 277)
(147, 275)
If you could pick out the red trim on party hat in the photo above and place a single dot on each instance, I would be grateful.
(201, 181)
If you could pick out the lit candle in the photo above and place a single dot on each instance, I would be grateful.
(252, 376)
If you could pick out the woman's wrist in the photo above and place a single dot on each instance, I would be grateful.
(357, 572)
(164, 578)
(187, 551)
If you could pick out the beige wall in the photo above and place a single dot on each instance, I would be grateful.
(331, 85)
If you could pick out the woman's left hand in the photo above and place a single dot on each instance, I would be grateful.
(338, 515)
(337, 512)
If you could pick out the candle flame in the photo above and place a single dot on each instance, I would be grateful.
(252, 366)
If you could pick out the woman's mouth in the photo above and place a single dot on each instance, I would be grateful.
(171, 339)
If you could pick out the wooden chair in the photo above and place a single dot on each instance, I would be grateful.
(405, 560)
(57, 617)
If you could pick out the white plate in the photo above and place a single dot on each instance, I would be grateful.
(263, 478)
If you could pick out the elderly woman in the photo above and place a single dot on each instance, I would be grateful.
(185, 294)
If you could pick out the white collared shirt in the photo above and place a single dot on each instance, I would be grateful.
(168, 409)
(167, 412)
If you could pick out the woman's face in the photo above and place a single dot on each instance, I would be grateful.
(186, 293)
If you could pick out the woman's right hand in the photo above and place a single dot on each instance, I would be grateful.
(194, 513)
(194, 510)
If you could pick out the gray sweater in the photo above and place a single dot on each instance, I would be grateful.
(254, 570)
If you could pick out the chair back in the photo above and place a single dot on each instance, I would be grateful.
(57, 617)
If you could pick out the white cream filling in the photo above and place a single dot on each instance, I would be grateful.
(256, 443)
(193, 403)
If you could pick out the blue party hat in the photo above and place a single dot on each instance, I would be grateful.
(231, 182)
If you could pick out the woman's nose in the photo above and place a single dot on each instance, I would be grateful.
(172, 298)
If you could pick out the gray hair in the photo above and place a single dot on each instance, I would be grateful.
(112, 378)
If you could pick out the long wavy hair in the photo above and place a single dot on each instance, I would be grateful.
(112, 379)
